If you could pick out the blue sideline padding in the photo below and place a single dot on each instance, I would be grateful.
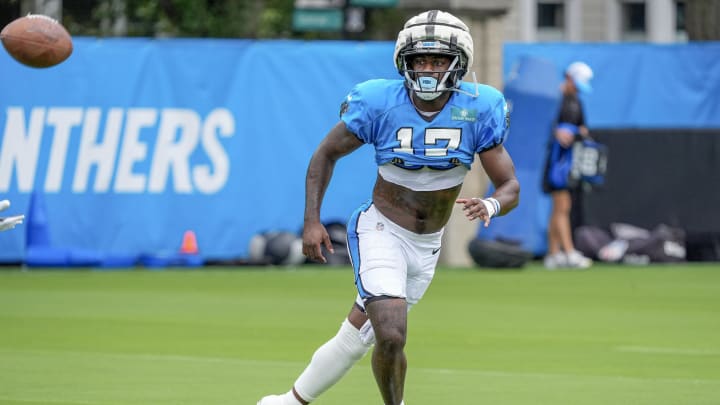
(159, 261)
(40, 251)
(36, 224)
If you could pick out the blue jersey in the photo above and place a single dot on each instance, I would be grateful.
(380, 113)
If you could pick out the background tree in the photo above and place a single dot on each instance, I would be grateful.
(190, 18)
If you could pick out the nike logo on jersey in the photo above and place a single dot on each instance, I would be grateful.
(434, 251)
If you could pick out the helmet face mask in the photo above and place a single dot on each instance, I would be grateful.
(434, 33)
(429, 85)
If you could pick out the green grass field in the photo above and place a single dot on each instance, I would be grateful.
(610, 335)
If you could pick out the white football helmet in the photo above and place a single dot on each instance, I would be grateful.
(434, 32)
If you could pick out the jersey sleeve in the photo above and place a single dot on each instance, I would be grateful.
(354, 113)
(496, 127)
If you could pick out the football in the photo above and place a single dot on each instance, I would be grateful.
(37, 41)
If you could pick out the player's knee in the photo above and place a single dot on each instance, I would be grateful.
(390, 340)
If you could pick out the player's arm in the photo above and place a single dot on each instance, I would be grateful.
(337, 143)
(500, 169)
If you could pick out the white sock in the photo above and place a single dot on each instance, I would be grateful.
(330, 362)
(288, 398)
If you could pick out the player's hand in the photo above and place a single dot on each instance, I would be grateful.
(314, 236)
(474, 208)
(9, 222)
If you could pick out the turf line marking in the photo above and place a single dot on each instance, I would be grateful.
(668, 350)
(300, 364)
(490, 373)
(155, 357)
(47, 400)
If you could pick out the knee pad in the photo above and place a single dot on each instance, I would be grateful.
(367, 333)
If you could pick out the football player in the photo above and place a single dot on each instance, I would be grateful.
(426, 129)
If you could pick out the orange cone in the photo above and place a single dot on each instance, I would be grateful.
(189, 243)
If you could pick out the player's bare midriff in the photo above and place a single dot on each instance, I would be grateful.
(416, 211)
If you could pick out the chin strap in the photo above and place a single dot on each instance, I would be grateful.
(477, 88)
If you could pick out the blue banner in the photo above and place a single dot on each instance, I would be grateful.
(639, 85)
(131, 142)
(634, 86)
